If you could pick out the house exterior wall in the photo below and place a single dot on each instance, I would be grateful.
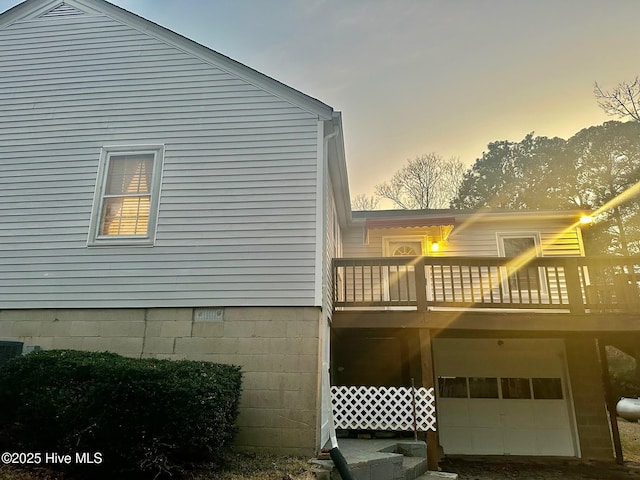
(473, 238)
(237, 213)
(478, 237)
(333, 248)
(277, 349)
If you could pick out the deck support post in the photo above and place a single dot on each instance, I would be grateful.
(610, 401)
(574, 290)
(421, 285)
(428, 380)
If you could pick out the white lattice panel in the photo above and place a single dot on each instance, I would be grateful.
(383, 408)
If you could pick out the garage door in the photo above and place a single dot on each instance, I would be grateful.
(503, 397)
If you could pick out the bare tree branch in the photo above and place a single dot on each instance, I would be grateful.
(362, 202)
(623, 101)
(428, 181)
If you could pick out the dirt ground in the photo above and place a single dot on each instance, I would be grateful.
(490, 469)
(262, 467)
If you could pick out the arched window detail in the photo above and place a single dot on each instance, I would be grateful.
(404, 251)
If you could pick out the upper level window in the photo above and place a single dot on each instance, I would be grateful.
(524, 248)
(515, 246)
(126, 201)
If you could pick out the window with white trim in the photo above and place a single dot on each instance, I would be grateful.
(126, 201)
(524, 248)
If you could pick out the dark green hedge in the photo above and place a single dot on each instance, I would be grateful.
(144, 416)
(622, 373)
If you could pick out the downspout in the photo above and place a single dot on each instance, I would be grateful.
(335, 454)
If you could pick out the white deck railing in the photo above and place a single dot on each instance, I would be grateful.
(566, 284)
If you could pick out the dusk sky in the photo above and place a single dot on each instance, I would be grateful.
(419, 76)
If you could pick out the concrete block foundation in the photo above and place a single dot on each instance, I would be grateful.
(277, 348)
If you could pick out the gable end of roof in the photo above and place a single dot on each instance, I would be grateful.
(47, 9)
(62, 10)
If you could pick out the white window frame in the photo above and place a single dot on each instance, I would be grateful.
(536, 240)
(409, 239)
(107, 152)
(524, 234)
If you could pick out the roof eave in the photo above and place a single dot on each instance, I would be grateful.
(338, 172)
(362, 217)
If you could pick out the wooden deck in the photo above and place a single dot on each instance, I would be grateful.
(577, 286)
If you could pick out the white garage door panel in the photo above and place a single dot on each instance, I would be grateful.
(554, 442)
(498, 426)
(484, 440)
(457, 438)
(550, 413)
(517, 413)
(518, 441)
(483, 413)
(456, 413)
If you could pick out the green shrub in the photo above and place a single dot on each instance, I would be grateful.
(144, 416)
(622, 373)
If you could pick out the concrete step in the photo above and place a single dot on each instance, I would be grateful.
(413, 467)
(378, 460)
(431, 475)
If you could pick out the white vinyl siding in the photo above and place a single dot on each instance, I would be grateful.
(237, 216)
(474, 239)
(333, 249)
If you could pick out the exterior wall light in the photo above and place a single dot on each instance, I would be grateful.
(435, 247)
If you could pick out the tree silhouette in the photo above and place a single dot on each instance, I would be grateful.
(428, 181)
